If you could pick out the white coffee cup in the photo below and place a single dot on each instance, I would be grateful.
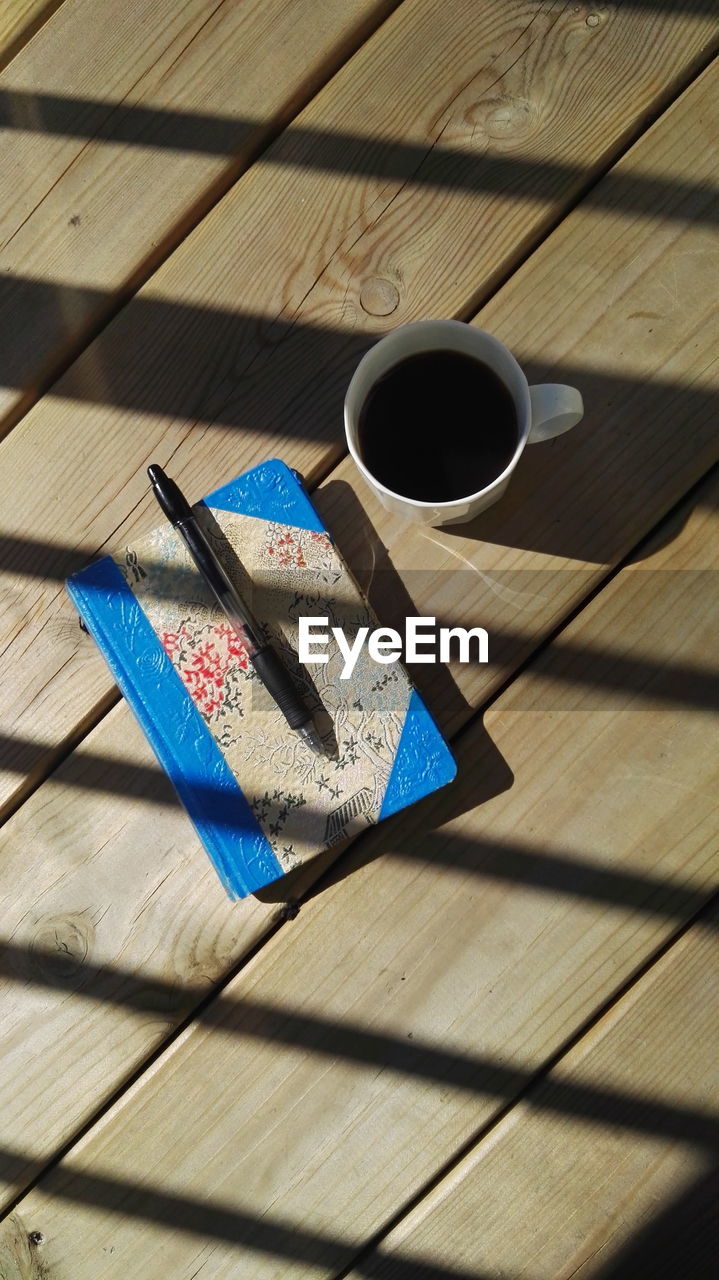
(542, 412)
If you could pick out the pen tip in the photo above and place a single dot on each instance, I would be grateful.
(155, 473)
(311, 737)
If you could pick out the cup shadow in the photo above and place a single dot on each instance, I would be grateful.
(580, 519)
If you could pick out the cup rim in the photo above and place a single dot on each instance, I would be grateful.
(523, 433)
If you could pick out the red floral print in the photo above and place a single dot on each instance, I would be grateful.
(286, 548)
(205, 662)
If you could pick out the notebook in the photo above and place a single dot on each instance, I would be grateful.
(261, 802)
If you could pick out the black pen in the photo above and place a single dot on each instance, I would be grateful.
(274, 676)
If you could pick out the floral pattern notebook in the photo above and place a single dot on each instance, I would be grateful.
(262, 803)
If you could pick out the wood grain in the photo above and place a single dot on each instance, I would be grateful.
(16, 1253)
(19, 20)
(634, 326)
(448, 957)
(120, 867)
(115, 927)
(241, 345)
(609, 1166)
(123, 125)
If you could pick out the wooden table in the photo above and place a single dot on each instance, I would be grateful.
(482, 1048)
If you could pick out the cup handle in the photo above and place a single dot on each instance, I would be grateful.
(555, 408)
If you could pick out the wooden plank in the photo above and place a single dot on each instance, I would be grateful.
(105, 835)
(229, 355)
(19, 20)
(632, 323)
(98, 868)
(609, 1166)
(449, 956)
(123, 125)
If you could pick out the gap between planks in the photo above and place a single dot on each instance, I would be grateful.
(39, 620)
(113, 697)
(20, 20)
(187, 221)
(429, 1207)
(324, 471)
(310, 884)
(664, 555)
(560, 255)
(44, 374)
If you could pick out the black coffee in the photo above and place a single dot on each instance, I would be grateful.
(438, 426)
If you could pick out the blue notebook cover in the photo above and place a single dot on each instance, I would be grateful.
(261, 803)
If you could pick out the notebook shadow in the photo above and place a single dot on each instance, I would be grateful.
(390, 599)
(441, 691)
(488, 776)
